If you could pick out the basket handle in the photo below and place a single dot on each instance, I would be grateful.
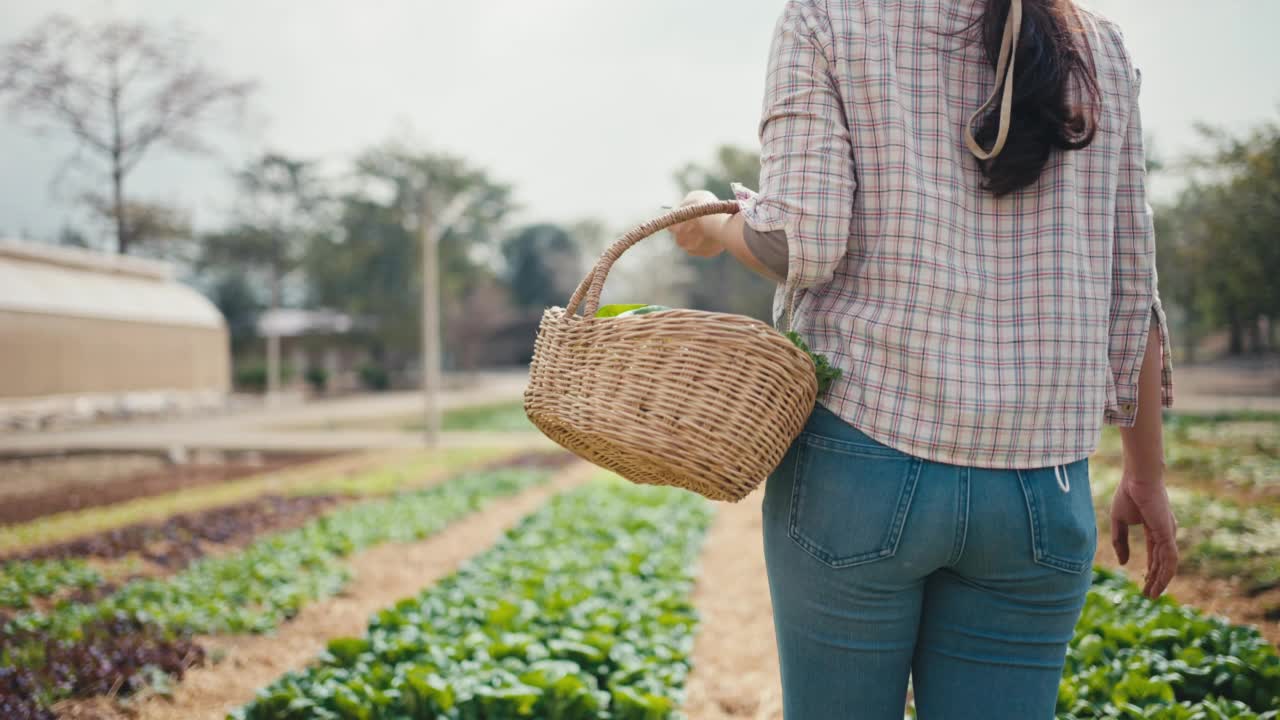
(593, 283)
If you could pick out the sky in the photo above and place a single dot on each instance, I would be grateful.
(587, 107)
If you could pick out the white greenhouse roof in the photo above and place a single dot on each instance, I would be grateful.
(295, 322)
(81, 283)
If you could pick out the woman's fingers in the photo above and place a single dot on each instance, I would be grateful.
(681, 235)
(1120, 539)
(697, 197)
(687, 237)
(1162, 564)
(1124, 512)
(693, 237)
(1162, 550)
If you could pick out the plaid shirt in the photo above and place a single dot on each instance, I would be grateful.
(971, 329)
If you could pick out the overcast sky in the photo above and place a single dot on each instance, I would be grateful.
(585, 106)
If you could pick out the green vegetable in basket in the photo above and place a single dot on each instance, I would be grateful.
(609, 311)
(827, 373)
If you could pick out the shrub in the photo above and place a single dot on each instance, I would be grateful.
(317, 378)
(374, 377)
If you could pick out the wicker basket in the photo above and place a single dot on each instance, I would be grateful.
(704, 401)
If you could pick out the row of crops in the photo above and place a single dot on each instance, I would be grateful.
(1229, 502)
(1135, 658)
(1218, 537)
(1225, 490)
(121, 642)
(23, 582)
(1239, 451)
(583, 611)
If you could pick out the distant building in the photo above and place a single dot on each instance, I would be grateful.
(323, 341)
(76, 322)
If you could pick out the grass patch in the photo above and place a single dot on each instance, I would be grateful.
(507, 416)
(500, 417)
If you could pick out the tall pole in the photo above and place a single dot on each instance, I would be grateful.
(273, 345)
(430, 324)
(273, 369)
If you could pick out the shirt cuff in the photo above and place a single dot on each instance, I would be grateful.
(1122, 405)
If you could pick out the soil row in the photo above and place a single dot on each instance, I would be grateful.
(34, 487)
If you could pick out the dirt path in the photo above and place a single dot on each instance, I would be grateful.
(735, 660)
(383, 575)
(1228, 385)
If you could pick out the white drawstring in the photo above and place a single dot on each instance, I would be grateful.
(1064, 480)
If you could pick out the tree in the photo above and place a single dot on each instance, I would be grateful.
(472, 322)
(119, 88)
(469, 247)
(542, 265)
(235, 298)
(722, 283)
(72, 237)
(591, 237)
(371, 266)
(157, 230)
(1218, 255)
(279, 212)
(1248, 223)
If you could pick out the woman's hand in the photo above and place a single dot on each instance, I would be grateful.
(1141, 500)
(704, 236)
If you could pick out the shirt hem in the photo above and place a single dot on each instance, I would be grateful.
(935, 454)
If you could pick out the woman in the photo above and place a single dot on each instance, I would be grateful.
(984, 275)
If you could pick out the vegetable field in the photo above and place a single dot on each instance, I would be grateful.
(583, 611)
(482, 585)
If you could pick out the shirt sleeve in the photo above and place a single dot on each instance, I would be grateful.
(1135, 298)
(770, 248)
(807, 179)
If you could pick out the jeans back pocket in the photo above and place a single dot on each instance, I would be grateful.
(849, 500)
(1064, 529)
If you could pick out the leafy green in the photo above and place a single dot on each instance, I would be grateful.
(1132, 657)
(22, 580)
(608, 311)
(582, 611)
(644, 310)
(827, 373)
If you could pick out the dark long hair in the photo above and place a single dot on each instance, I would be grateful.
(1056, 98)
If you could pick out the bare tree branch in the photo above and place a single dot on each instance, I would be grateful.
(119, 88)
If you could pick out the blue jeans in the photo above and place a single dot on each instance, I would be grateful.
(884, 566)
